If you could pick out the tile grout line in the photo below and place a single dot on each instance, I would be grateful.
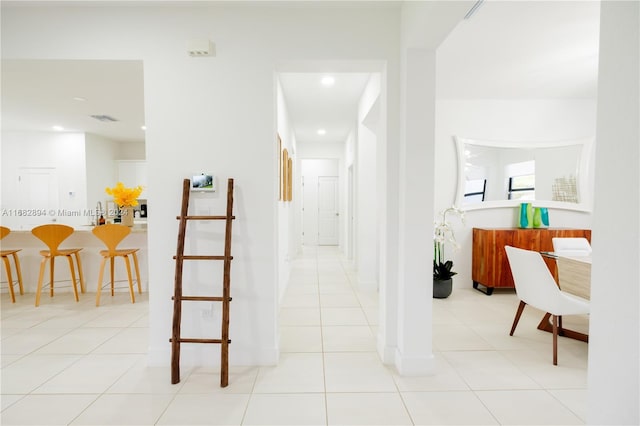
(324, 367)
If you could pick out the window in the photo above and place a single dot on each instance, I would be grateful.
(475, 190)
(522, 187)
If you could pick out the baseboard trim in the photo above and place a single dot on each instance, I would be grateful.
(414, 366)
(192, 356)
(386, 353)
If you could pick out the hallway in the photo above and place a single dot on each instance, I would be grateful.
(67, 363)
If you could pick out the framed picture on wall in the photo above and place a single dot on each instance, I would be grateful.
(203, 182)
(290, 179)
(285, 174)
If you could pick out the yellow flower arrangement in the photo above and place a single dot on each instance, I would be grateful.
(123, 196)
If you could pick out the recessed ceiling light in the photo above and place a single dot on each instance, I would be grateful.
(322, 132)
(143, 127)
(328, 81)
(57, 128)
(79, 99)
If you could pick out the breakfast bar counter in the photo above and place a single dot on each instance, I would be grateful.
(90, 257)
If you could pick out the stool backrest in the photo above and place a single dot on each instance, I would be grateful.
(111, 234)
(52, 235)
(4, 231)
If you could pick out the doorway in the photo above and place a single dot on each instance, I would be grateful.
(320, 202)
(38, 194)
(328, 211)
(322, 125)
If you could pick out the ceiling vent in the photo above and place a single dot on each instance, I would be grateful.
(104, 117)
(473, 9)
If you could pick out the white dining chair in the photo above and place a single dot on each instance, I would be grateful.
(574, 246)
(536, 286)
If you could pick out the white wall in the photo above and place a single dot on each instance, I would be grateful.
(63, 151)
(210, 113)
(350, 247)
(508, 120)
(614, 325)
(101, 154)
(286, 217)
(132, 151)
(367, 185)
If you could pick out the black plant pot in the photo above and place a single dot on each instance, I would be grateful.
(442, 288)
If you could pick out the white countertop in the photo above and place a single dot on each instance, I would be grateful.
(136, 228)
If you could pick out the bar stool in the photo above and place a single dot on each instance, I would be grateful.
(4, 231)
(52, 235)
(111, 235)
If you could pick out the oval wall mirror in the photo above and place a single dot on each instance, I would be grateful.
(495, 174)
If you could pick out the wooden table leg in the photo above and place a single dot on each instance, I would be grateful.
(546, 325)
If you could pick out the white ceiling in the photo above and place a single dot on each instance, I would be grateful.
(38, 94)
(522, 49)
(508, 49)
(312, 105)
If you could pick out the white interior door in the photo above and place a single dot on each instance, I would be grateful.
(309, 213)
(38, 192)
(328, 211)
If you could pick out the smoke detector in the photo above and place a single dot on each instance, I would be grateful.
(201, 47)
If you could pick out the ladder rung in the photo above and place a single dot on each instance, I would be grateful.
(203, 298)
(203, 257)
(200, 340)
(204, 217)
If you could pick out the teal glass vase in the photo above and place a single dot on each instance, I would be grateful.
(544, 212)
(526, 216)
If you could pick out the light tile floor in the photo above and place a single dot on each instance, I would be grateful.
(70, 363)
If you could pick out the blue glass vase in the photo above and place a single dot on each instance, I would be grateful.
(544, 213)
(526, 216)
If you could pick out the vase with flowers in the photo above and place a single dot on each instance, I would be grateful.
(126, 199)
(442, 268)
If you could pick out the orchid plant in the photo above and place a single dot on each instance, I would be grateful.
(443, 234)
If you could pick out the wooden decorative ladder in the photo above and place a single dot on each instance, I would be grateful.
(178, 298)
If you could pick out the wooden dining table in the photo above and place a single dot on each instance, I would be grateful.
(574, 277)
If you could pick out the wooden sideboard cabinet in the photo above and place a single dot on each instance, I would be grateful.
(489, 264)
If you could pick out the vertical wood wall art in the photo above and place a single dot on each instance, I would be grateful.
(290, 180)
(286, 173)
(285, 176)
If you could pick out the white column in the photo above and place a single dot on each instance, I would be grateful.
(414, 352)
(614, 329)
